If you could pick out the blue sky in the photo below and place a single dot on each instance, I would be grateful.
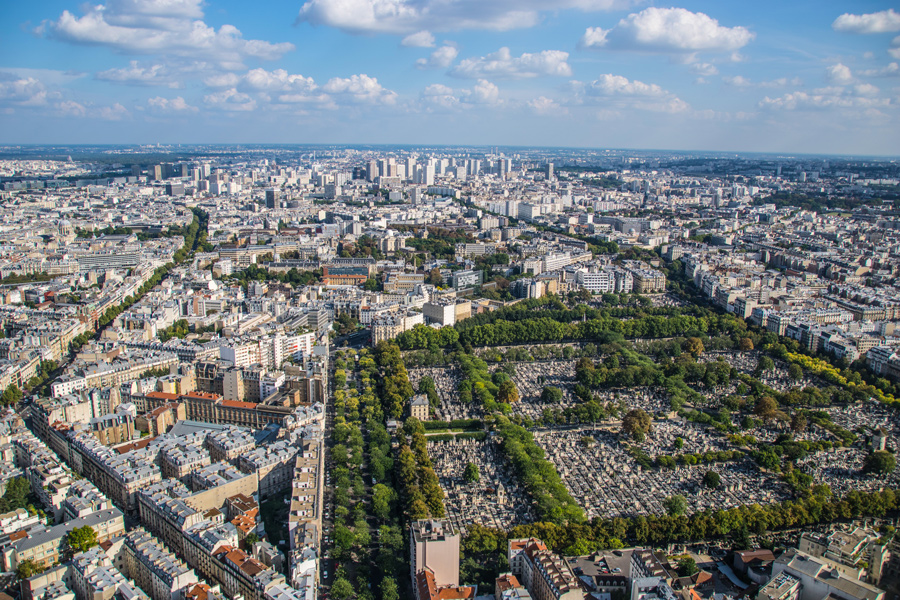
(787, 76)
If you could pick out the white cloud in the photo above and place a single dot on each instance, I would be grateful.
(441, 58)
(163, 27)
(361, 89)
(668, 30)
(50, 77)
(279, 89)
(485, 92)
(230, 100)
(859, 97)
(891, 70)
(116, 112)
(866, 89)
(135, 74)
(410, 16)
(704, 69)
(278, 80)
(502, 64)
(594, 37)
(443, 97)
(70, 108)
(24, 91)
(737, 81)
(546, 106)
(222, 80)
(174, 105)
(880, 22)
(618, 92)
(616, 85)
(839, 74)
(742, 82)
(420, 39)
(440, 96)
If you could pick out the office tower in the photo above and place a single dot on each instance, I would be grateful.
(271, 198)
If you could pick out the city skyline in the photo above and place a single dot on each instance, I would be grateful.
(797, 78)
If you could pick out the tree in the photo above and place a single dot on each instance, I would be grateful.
(342, 589)
(675, 505)
(636, 423)
(798, 422)
(766, 408)
(251, 539)
(389, 589)
(10, 395)
(507, 392)
(551, 395)
(382, 499)
(765, 364)
(711, 479)
(343, 539)
(679, 443)
(687, 566)
(471, 473)
(413, 425)
(880, 462)
(746, 344)
(28, 568)
(434, 277)
(81, 539)
(795, 372)
(694, 346)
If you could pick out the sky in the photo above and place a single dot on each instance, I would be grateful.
(788, 76)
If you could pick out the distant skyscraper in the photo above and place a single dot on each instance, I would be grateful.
(271, 198)
(548, 170)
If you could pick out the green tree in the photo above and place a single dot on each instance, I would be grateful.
(28, 568)
(389, 589)
(765, 364)
(675, 505)
(880, 462)
(507, 392)
(434, 277)
(11, 395)
(251, 539)
(711, 479)
(343, 539)
(551, 395)
(383, 498)
(798, 422)
(766, 408)
(342, 589)
(687, 566)
(694, 346)
(636, 423)
(81, 539)
(471, 473)
(795, 372)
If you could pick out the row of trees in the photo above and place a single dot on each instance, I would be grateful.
(360, 437)
(198, 224)
(552, 501)
(579, 538)
(555, 322)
